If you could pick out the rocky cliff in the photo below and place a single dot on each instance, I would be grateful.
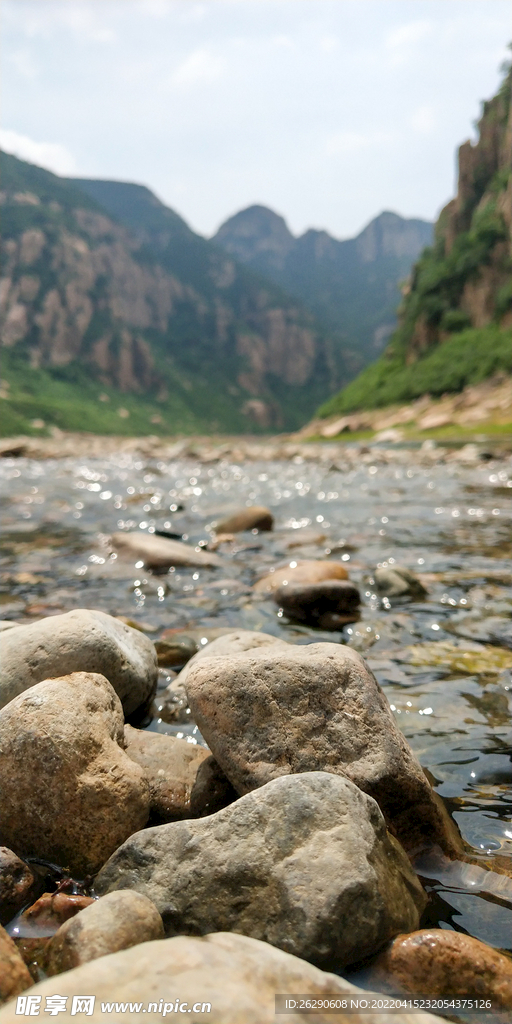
(351, 285)
(458, 301)
(103, 283)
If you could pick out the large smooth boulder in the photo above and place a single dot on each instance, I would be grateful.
(14, 974)
(445, 964)
(172, 768)
(70, 793)
(114, 922)
(237, 642)
(161, 552)
(304, 863)
(236, 977)
(288, 709)
(257, 517)
(300, 571)
(16, 881)
(80, 641)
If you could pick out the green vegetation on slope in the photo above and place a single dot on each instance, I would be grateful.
(467, 358)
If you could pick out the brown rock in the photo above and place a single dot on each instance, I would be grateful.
(14, 974)
(301, 571)
(234, 642)
(329, 605)
(171, 766)
(174, 652)
(288, 709)
(445, 963)
(70, 794)
(52, 909)
(236, 976)
(161, 552)
(257, 517)
(117, 921)
(16, 881)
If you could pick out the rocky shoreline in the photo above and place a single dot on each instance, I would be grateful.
(285, 849)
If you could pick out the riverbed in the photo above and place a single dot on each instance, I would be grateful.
(443, 662)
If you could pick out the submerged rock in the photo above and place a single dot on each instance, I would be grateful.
(16, 881)
(287, 709)
(80, 641)
(172, 653)
(114, 922)
(300, 571)
(171, 767)
(445, 963)
(397, 581)
(70, 794)
(161, 552)
(329, 605)
(304, 863)
(235, 977)
(14, 974)
(52, 909)
(257, 517)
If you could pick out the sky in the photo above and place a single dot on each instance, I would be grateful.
(328, 111)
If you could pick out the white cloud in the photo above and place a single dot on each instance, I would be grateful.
(353, 142)
(406, 35)
(24, 63)
(423, 120)
(201, 66)
(51, 155)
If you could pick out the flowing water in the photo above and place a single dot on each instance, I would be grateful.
(444, 662)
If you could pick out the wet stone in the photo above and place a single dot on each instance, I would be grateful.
(398, 582)
(254, 518)
(16, 882)
(329, 605)
(14, 974)
(300, 571)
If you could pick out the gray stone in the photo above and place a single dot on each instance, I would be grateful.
(237, 642)
(329, 604)
(161, 552)
(16, 881)
(397, 581)
(304, 863)
(80, 641)
(238, 977)
(70, 794)
(287, 709)
(117, 921)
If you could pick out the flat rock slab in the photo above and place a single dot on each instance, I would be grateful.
(70, 794)
(80, 641)
(304, 863)
(287, 709)
(300, 571)
(160, 552)
(237, 976)
(117, 921)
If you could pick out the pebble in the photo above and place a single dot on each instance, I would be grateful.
(80, 641)
(117, 921)
(398, 582)
(304, 863)
(257, 517)
(300, 571)
(236, 976)
(16, 882)
(171, 653)
(329, 605)
(287, 709)
(445, 963)
(70, 793)
(160, 552)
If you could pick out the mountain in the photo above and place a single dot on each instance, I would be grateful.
(116, 317)
(455, 320)
(351, 286)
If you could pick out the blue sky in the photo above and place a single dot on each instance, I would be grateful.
(328, 111)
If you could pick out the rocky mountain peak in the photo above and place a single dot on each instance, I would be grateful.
(254, 232)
